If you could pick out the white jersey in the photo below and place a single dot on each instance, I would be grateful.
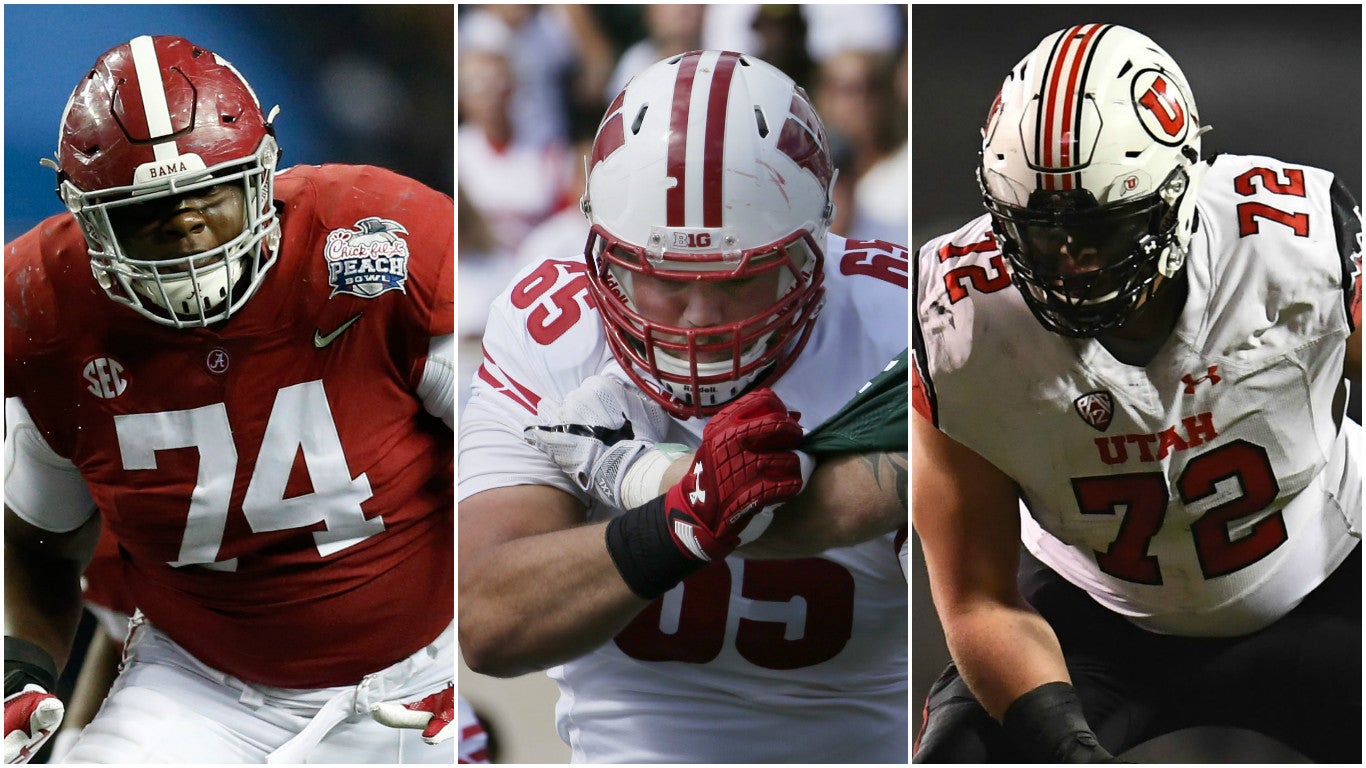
(1207, 493)
(474, 740)
(753, 660)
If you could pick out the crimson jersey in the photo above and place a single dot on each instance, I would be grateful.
(282, 501)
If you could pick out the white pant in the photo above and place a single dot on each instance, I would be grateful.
(168, 707)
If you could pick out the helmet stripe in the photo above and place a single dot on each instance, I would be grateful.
(714, 146)
(675, 196)
(1060, 109)
(153, 93)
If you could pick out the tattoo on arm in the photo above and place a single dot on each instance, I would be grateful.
(891, 473)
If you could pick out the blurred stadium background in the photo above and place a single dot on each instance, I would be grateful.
(370, 84)
(1280, 80)
(533, 82)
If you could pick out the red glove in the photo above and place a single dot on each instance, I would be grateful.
(745, 463)
(433, 715)
(31, 716)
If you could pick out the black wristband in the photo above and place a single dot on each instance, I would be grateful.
(644, 552)
(26, 663)
(1047, 725)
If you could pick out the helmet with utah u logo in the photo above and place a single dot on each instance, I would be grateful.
(1090, 169)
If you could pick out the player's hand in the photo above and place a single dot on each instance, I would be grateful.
(433, 715)
(747, 464)
(597, 434)
(31, 716)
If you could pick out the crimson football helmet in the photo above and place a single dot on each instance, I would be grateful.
(1090, 170)
(708, 166)
(156, 117)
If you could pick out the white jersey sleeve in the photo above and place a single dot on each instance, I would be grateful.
(1208, 492)
(437, 387)
(542, 338)
(41, 487)
(474, 740)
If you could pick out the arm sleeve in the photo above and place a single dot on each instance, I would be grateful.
(437, 387)
(41, 487)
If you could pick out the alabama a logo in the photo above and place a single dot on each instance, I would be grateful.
(367, 260)
(1096, 409)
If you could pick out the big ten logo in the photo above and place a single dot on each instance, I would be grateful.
(692, 239)
(105, 377)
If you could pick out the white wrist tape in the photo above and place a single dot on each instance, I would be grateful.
(643, 477)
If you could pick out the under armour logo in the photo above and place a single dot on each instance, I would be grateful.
(1212, 376)
(698, 496)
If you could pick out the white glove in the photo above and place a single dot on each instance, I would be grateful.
(434, 715)
(601, 432)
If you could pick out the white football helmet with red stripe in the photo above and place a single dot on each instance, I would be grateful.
(714, 166)
(156, 117)
(1090, 167)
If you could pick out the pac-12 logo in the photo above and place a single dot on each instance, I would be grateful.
(367, 260)
(1096, 409)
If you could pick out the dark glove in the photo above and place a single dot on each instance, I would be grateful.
(1047, 725)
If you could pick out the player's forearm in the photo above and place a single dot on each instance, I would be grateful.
(42, 600)
(1003, 651)
(538, 601)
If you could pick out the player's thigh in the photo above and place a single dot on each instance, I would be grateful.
(154, 715)
(1298, 681)
(360, 739)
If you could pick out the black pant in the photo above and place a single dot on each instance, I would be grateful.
(1298, 680)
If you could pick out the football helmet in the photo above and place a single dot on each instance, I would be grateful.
(154, 118)
(708, 166)
(1090, 170)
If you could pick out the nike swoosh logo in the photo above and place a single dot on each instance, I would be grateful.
(320, 340)
(604, 435)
